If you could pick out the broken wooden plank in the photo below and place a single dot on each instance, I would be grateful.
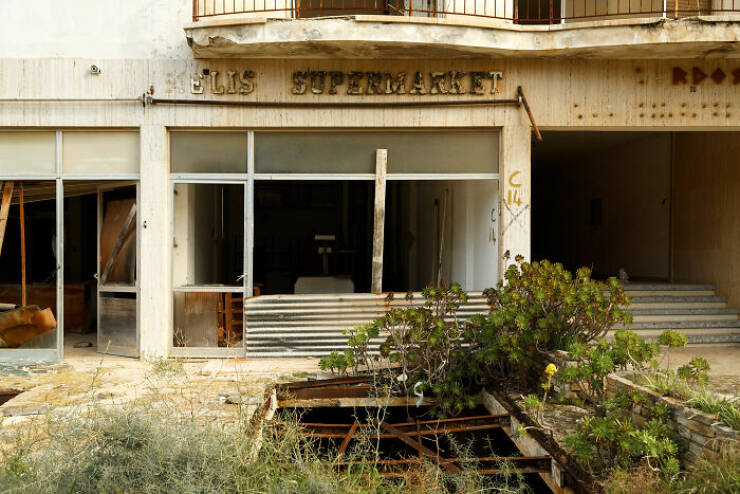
(5, 210)
(22, 325)
(381, 166)
(419, 447)
(118, 244)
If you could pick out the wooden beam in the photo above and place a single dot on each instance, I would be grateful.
(23, 246)
(119, 243)
(381, 167)
(5, 210)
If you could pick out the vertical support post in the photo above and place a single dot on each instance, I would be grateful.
(515, 194)
(23, 245)
(562, 11)
(155, 283)
(381, 167)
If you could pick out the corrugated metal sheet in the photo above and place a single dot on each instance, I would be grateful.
(313, 325)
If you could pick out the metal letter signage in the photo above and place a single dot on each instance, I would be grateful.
(228, 82)
(415, 83)
(355, 83)
(451, 82)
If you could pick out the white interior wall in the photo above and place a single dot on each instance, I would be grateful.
(470, 252)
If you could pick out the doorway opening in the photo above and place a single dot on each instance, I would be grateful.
(603, 200)
(100, 278)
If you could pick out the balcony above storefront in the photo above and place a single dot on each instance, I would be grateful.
(463, 28)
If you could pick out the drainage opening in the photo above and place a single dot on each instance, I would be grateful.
(345, 426)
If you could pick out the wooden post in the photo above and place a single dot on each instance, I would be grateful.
(23, 245)
(442, 233)
(5, 210)
(381, 166)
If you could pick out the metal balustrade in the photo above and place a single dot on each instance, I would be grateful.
(516, 11)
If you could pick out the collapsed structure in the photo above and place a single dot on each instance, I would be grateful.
(249, 179)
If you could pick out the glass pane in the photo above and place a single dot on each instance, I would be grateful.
(208, 320)
(34, 325)
(98, 152)
(117, 331)
(208, 152)
(27, 153)
(118, 237)
(354, 152)
(209, 234)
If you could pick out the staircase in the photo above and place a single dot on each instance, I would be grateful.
(694, 310)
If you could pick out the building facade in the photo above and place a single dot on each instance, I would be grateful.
(182, 162)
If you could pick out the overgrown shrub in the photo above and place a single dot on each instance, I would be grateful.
(540, 307)
(611, 438)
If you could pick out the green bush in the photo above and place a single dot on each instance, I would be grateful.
(611, 439)
(540, 307)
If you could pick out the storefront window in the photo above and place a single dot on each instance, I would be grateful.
(100, 152)
(27, 153)
(354, 152)
(208, 152)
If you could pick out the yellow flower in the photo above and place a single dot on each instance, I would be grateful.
(550, 369)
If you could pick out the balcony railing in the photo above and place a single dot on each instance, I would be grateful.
(516, 11)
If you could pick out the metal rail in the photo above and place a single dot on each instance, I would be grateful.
(516, 11)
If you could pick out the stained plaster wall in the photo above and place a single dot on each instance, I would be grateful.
(706, 188)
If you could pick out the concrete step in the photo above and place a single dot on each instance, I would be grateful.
(694, 335)
(680, 325)
(677, 302)
(682, 315)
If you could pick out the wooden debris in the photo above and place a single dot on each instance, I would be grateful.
(21, 325)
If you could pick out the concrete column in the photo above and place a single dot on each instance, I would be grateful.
(515, 187)
(155, 307)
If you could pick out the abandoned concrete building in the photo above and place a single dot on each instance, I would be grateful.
(208, 178)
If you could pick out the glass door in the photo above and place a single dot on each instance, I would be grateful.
(117, 291)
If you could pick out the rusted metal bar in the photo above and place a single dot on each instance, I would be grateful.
(539, 463)
(449, 467)
(529, 113)
(323, 432)
(347, 439)
(195, 10)
(474, 418)
(332, 104)
(325, 382)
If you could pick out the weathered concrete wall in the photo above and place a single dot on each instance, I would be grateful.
(95, 28)
(706, 242)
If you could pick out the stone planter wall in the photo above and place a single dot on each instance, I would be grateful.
(701, 432)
